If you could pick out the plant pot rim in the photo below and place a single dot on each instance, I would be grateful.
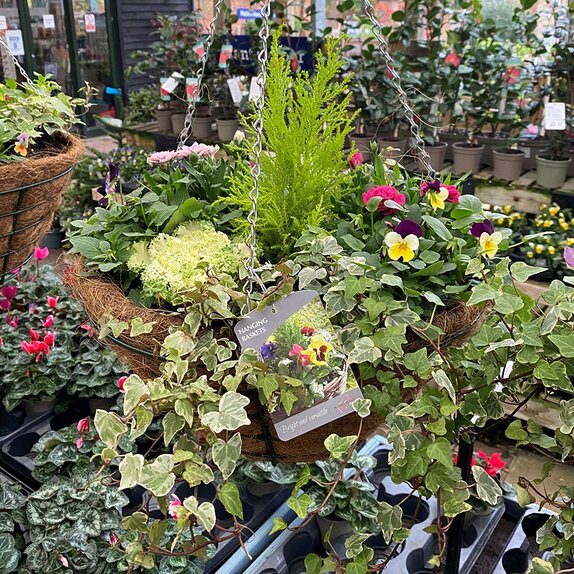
(227, 119)
(456, 131)
(437, 144)
(565, 160)
(466, 145)
(510, 152)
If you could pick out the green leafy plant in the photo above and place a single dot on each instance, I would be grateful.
(303, 165)
(30, 113)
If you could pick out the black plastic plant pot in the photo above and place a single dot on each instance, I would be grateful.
(564, 199)
(468, 187)
(515, 561)
(10, 421)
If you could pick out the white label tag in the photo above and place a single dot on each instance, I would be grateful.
(235, 86)
(192, 89)
(3, 23)
(526, 151)
(555, 116)
(15, 42)
(90, 22)
(48, 20)
(254, 90)
(169, 85)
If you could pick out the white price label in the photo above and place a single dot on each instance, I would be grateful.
(48, 20)
(555, 116)
(15, 42)
(90, 22)
(169, 85)
(235, 87)
(3, 23)
(254, 90)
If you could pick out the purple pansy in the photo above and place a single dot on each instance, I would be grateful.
(480, 227)
(267, 351)
(110, 184)
(408, 227)
(433, 186)
(569, 256)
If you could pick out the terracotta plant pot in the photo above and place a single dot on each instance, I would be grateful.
(508, 164)
(38, 407)
(163, 118)
(531, 149)
(363, 144)
(451, 138)
(202, 128)
(490, 143)
(437, 154)
(551, 174)
(226, 129)
(400, 146)
(467, 157)
(177, 122)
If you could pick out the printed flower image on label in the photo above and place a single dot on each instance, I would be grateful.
(296, 342)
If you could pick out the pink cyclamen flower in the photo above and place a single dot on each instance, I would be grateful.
(9, 291)
(173, 506)
(79, 442)
(12, 322)
(569, 256)
(48, 322)
(160, 157)
(41, 253)
(34, 335)
(389, 72)
(387, 192)
(83, 425)
(356, 160)
(52, 302)
(5, 304)
(113, 539)
(63, 560)
(453, 58)
(121, 382)
(493, 464)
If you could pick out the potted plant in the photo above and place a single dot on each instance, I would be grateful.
(226, 111)
(508, 163)
(552, 165)
(37, 155)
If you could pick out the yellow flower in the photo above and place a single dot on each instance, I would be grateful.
(551, 250)
(516, 216)
(565, 226)
(547, 223)
(490, 242)
(318, 351)
(572, 221)
(530, 255)
(553, 210)
(500, 221)
(507, 209)
(539, 249)
(437, 198)
(402, 247)
(21, 149)
(271, 339)
(570, 241)
(538, 223)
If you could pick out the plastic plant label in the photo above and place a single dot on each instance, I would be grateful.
(90, 22)
(296, 340)
(526, 151)
(225, 55)
(48, 21)
(555, 116)
(15, 42)
(3, 23)
(236, 89)
(169, 85)
(199, 50)
(163, 93)
(192, 89)
(254, 90)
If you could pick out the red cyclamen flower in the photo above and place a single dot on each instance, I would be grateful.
(356, 160)
(52, 302)
(387, 192)
(83, 425)
(48, 322)
(9, 291)
(121, 382)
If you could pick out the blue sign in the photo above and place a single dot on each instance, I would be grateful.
(248, 14)
(113, 91)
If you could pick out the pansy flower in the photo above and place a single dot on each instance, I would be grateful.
(321, 349)
(438, 193)
(404, 241)
(22, 142)
(307, 331)
(489, 243)
(267, 350)
(303, 356)
(387, 193)
(480, 227)
(110, 184)
(569, 256)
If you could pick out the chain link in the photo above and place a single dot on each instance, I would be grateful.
(18, 65)
(192, 104)
(395, 79)
(257, 148)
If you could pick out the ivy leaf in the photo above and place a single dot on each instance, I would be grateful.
(134, 391)
(553, 375)
(184, 408)
(157, 476)
(313, 564)
(300, 505)
(453, 507)
(364, 351)
(204, 512)
(540, 566)
(109, 427)
(362, 407)
(338, 446)
(523, 496)
(354, 544)
(442, 380)
(228, 494)
(515, 431)
(138, 327)
(440, 451)
(231, 413)
(195, 474)
(278, 525)
(565, 344)
(226, 454)
(486, 487)
(482, 292)
(130, 469)
(507, 304)
(521, 271)
(418, 361)
(389, 518)
(172, 423)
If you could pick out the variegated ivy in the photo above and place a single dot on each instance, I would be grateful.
(523, 348)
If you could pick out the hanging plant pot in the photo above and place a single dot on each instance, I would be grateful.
(467, 157)
(551, 173)
(451, 137)
(437, 154)
(40, 407)
(508, 164)
(202, 128)
(177, 122)
(363, 144)
(31, 191)
(163, 118)
(226, 129)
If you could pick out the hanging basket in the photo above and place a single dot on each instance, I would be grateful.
(31, 191)
(101, 297)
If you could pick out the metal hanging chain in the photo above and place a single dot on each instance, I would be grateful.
(192, 104)
(257, 148)
(395, 79)
(19, 66)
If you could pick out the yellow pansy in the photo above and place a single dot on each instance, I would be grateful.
(570, 241)
(271, 339)
(437, 198)
(21, 149)
(404, 247)
(565, 226)
(538, 223)
(539, 249)
(547, 223)
(500, 221)
(551, 250)
(572, 221)
(553, 210)
(507, 209)
(490, 242)
(530, 255)
(319, 349)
